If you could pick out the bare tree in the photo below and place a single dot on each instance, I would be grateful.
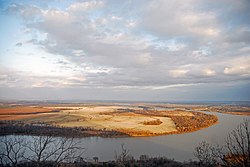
(47, 148)
(204, 153)
(123, 157)
(11, 150)
(236, 151)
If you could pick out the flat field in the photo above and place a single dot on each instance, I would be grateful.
(130, 119)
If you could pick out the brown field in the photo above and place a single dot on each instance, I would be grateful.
(24, 110)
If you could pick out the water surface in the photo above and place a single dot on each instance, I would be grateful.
(177, 146)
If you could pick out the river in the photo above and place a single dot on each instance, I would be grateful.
(178, 146)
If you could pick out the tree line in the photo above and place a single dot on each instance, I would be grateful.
(41, 128)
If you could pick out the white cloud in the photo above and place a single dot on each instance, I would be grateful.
(209, 72)
(178, 73)
(79, 52)
(173, 86)
(144, 58)
(131, 24)
(83, 6)
(239, 66)
(180, 19)
(155, 87)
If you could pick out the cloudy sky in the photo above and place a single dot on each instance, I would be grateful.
(156, 50)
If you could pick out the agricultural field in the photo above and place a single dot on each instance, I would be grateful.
(129, 119)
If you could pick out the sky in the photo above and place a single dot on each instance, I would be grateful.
(137, 50)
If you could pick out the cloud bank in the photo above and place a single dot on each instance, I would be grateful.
(148, 45)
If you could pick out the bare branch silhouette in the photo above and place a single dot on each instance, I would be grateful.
(205, 154)
(237, 146)
(11, 150)
(48, 148)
